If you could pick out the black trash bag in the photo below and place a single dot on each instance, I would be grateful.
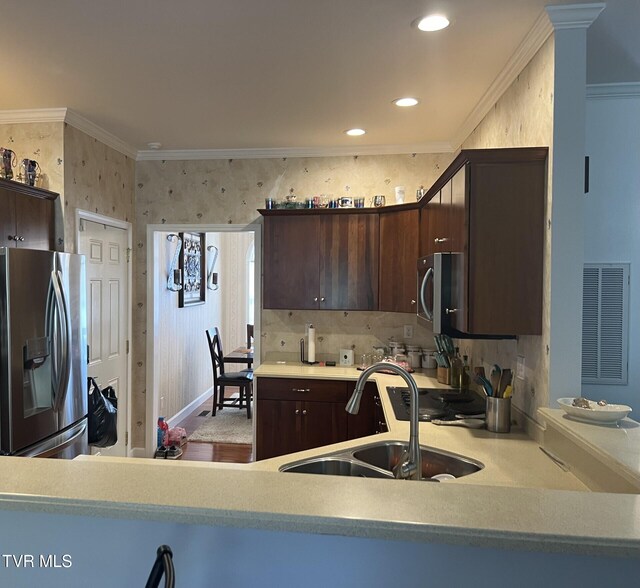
(103, 415)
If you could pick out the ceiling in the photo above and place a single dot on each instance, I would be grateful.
(277, 74)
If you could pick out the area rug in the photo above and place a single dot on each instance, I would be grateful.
(230, 425)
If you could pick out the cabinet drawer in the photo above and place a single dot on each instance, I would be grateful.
(301, 389)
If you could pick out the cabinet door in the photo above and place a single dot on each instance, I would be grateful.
(278, 428)
(290, 262)
(434, 221)
(506, 271)
(363, 423)
(7, 218)
(323, 423)
(398, 256)
(457, 230)
(34, 222)
(349, 262)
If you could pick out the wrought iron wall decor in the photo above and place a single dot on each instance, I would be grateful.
(192, 264)
(174, 279)
(212, 277)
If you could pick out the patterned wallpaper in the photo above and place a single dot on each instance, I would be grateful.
(230, 192)
(523, 117)
(97, 179)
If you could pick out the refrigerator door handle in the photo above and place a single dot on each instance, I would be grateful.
(51, 332)
(65, 327)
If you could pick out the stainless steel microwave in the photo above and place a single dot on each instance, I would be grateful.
(439, 291)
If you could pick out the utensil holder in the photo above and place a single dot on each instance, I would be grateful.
(444, 375)
(498, 414)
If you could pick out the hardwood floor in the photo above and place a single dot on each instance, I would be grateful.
(198, 451)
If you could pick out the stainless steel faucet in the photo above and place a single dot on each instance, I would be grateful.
(410, 466)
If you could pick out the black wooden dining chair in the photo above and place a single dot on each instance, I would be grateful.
(249, 336)
(221, 379)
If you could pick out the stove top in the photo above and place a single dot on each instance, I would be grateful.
(436, 403)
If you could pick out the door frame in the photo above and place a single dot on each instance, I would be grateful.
(127, 226)
(152, 409)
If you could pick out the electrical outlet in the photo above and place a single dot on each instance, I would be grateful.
(408, 331)
(520, 367)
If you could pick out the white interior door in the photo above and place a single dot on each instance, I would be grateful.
(105, 248)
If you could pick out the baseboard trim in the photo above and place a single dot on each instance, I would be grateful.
(138, 452)
(176, 418)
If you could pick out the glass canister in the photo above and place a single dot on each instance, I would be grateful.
(414, 353)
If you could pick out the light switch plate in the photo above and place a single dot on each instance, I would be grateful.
(346, 357)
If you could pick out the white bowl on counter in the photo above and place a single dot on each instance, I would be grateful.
(609, 413)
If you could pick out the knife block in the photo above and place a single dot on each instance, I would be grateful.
(443, 375)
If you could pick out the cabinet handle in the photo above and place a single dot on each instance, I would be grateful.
(297, 411)
(315, 299)
(440, 240)
(304, 411)
(322, 299)
(13, 237)
(450, 310)
(20, 239)
(413, 302)
(300, 389)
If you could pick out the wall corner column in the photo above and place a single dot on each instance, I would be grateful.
(566, 165)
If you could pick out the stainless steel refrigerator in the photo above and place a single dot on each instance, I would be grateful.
(43, 354)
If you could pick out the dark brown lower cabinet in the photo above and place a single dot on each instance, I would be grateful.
(295, 414)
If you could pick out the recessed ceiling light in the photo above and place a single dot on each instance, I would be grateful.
(434, 22)
(355, 132)
(405, 102)
(154, 145)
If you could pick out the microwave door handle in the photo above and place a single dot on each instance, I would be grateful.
(427, 311)
(65, 328)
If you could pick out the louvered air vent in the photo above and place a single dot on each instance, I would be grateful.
(605, 323)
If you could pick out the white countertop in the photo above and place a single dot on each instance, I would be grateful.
(521, 500)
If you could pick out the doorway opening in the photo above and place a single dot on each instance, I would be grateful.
(179, 371)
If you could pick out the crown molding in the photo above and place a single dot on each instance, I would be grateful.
(617, 90)
(531, 44)
(66, 115)
(40, 115)
(276, 153)
(574, 16)
(93, 130)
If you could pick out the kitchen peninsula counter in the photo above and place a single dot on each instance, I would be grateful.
(520, 500)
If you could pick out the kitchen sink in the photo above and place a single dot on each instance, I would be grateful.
(377, 460)
(387, 455)
(334, 466)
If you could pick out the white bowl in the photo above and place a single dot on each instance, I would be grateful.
(610, 413)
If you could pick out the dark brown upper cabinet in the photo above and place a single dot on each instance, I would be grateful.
(26, 216)
(398, 256)
(325, 260)
(495, 200)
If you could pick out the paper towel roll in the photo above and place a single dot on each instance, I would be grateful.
(311, 354)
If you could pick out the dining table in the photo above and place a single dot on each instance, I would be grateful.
(240, 355)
